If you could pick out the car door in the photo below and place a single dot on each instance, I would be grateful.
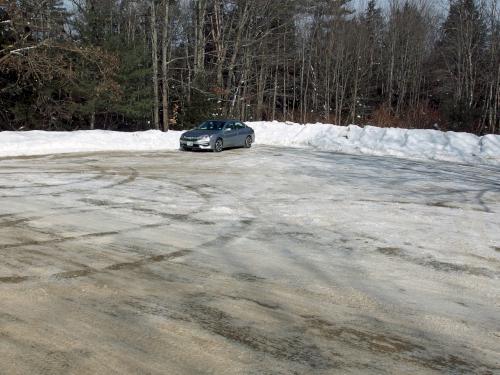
(242, 133)
(230, 134)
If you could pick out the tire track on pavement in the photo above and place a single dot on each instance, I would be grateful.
(87, 271)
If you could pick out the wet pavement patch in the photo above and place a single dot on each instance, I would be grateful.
(390, 251)
(59, 240)
(452, 364)
(442, 205)
(12, 223)
(293, 347)
(13, 279)
(267, 305)
(74, 274)
(452, 267)
(299, 236)
(153, 259)
(97, 202)
(242, 276)
(371, 341)
(8, 318)
(382, 343)
(435, 264)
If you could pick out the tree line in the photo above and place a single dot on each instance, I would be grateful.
(167, 64)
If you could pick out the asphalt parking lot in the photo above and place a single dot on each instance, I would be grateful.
(260, 261)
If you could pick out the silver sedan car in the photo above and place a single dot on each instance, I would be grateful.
(217, 135)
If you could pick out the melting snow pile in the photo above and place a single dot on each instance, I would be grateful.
(412, 144)
(404, 143)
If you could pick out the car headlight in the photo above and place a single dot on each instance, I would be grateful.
(205, 138)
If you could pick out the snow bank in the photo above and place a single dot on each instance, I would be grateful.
(411, 144)
(403, 143)
(41, 142)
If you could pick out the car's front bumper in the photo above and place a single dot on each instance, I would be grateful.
(199, 145)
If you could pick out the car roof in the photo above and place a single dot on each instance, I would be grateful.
(224, 120)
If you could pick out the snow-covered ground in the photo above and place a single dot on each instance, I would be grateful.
(409, 144)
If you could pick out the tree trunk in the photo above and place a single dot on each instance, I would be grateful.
(154, 58)
(199, 48)
(236, 48)
(164, 65)
(275, 92)
(285, 72)
(92, 120)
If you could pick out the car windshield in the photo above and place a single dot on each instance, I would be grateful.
(212, 125)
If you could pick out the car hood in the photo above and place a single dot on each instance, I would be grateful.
(199, 133)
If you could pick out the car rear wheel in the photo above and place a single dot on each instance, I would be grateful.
(219, 145)
(248, 142)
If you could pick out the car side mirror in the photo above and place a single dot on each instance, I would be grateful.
(228, 129)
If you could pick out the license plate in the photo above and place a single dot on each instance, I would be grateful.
(190, 144)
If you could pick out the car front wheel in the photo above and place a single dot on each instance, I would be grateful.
(219, 145)
(248, 142)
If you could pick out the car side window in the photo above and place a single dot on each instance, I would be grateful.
(239, 125)
(229, 125)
